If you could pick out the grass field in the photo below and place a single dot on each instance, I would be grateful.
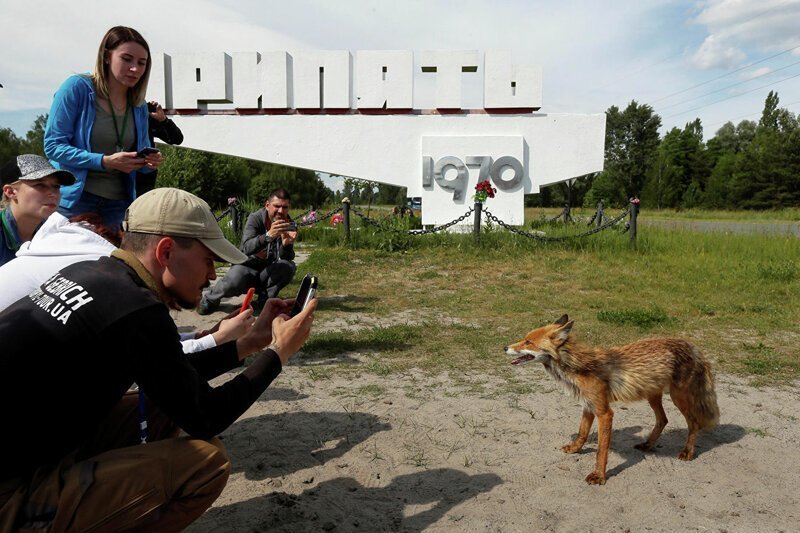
(778, 215)
(446, 303)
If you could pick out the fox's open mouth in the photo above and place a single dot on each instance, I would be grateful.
(522, 359)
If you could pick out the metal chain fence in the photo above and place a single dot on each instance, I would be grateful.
(443, 226)
(435, 229)
(223, 214)
(489, 216)
(537, 237)
(311, 222)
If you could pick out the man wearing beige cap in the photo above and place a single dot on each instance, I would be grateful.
(71, 455)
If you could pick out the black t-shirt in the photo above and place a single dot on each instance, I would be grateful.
(71, 349)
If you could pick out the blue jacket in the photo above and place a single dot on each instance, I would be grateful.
(67, 136)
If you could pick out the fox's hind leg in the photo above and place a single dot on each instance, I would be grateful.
(583, 433)
(661, 422)
(683, 401)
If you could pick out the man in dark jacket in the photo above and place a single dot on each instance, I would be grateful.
(161, 126)
(268, 241)
(70, 456)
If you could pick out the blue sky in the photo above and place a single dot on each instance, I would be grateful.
(593, 54)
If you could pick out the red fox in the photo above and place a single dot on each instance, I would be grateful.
(642, 370)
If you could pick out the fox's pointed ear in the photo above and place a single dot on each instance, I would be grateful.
(561, 321)
(563, 332)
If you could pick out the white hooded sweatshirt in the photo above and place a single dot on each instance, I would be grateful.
(57, 244)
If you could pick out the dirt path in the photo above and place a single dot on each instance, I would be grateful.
(413, 451)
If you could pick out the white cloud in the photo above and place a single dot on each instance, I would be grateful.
(717, 53)
(60, 40)
(593, 54)
(756, 73)
(738, 27)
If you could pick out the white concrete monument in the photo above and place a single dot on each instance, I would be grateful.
(298, 109)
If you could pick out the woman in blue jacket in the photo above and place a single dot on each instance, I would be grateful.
(98, 123)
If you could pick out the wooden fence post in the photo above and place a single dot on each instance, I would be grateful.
(235, 219)
(600, 215)
(476, 224)
(346, 218)
(634, 214)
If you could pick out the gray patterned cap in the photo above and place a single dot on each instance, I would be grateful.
(33, 167)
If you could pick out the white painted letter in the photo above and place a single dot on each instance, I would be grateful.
(262, 81)
(448, 65)
(159, 87)
(199, 79)
(510, 86)
(384, 79)
(322, 79)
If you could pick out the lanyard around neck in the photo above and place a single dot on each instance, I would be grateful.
(12, 241)
(120, 133)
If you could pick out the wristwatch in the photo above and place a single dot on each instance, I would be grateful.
(274, 348)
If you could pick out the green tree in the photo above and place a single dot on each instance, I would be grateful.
(719, 183)
(34, 139)
(609, 188)
(767, 174)
(661, 178)
(631, 143)
(212, 177)
(390, 195)
(680, 169)
(10, 145)
(305, 186)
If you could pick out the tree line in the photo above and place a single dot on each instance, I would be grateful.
(751, 165)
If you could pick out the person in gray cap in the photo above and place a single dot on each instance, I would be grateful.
(72, 456)
(31, 191)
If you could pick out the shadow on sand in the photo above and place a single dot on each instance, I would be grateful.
(271, 446)
(669, 444)
(410, 502)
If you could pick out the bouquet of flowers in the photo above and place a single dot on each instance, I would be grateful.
(310, 218)
(483, 190)
(337, 219)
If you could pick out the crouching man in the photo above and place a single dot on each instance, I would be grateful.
(72, 457)
(268, 240)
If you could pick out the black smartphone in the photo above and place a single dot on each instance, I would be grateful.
(308, 290)
(144, 152)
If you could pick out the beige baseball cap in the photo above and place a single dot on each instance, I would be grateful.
(177, 213)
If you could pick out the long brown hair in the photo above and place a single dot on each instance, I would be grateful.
(111, 40)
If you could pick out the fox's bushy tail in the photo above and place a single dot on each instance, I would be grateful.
(704, 398)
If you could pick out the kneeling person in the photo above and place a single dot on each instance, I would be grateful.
(268, 240)
(71, 349)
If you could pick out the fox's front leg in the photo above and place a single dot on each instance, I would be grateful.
(604, 419)
(583, 433)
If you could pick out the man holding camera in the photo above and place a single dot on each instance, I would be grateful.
(80, 452)
(268, 241)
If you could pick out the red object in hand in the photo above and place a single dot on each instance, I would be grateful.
(248, 298)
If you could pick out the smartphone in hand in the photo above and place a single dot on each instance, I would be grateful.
(144, 152)
(247, 299)
(307, 292)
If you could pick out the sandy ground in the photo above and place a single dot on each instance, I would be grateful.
(417, 452)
